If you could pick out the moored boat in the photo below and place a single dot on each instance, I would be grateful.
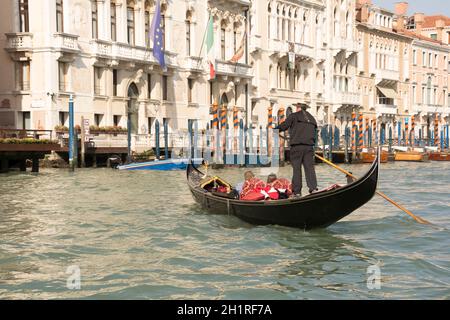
(439, 156)
(317, 210)
(411, 156)
(369, 157)
(159, 165)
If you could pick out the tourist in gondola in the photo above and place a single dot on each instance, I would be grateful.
(271, 178)
(247, 176)
(302, 134)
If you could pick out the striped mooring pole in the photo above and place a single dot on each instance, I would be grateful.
(406, 131)
(235, 118)
(157, 140)
(447, 137)
(223, 118)
(166, 138)
(347, 142)
(71, 135)
(361, 132)
(235, 127)
(390, 139)
(366, 133)
(281, 119)
(223, 126)
(269, 126)
(436, 130)
(353, 143)
(214, 128)
(413, 131)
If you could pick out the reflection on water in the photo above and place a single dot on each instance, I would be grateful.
(140, 235)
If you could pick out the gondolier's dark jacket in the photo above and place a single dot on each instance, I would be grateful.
(302, 128)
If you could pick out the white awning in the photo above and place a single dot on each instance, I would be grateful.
(388, 92)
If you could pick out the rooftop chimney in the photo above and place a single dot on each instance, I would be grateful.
(401, 8)
(362, 7)
(440, 25)
(418, 20)
(400, 11)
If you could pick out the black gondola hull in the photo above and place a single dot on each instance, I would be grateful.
(318, 210)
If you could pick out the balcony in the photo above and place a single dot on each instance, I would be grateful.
(255, 43)
(19, 42)
(383, 74)
(66, 42)
(278, 46)
(233, 69)
(123, 51)
(320, 55)
(386, 106)
(304, 50)
(102, 48)
(433, 108)
(347, 98)
(194, 64)
(344, 44)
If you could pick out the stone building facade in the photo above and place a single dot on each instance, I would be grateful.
(339, 56)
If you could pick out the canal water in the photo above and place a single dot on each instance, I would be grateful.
(139, 235)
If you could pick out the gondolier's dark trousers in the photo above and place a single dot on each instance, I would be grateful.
(303, 154)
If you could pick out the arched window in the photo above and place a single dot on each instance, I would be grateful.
(429, 84)
(306, 34)
(335, 29)
(59, 16)
(269, 11)
(279, 22)
(94, 16)
(188, 33)
(163, 24)
(222, 39)
(113, 21)
(147, 23)
(24, 16)
(283, 25)
(348, 25)
(130, 22)
(295, 26)
(290, 25)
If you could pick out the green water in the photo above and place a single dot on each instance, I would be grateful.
(139, 235)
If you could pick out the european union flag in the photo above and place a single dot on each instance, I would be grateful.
(157, 34)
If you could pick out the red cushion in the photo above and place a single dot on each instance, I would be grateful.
(253, 196)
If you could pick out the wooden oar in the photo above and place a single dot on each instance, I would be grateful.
(418, 219)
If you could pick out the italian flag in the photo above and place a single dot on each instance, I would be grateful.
(210, 48)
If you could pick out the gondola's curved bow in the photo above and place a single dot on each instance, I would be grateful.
(318, 210)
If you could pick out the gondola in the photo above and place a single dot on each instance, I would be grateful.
(317, 210)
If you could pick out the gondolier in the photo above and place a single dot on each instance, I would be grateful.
(302, 135)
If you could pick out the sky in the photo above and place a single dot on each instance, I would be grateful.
(428, 7)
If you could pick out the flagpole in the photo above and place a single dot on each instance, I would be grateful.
(204, 36)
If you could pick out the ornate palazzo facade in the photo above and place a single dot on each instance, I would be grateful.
(339, 56)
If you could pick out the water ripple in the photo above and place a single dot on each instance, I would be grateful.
(139, 235)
